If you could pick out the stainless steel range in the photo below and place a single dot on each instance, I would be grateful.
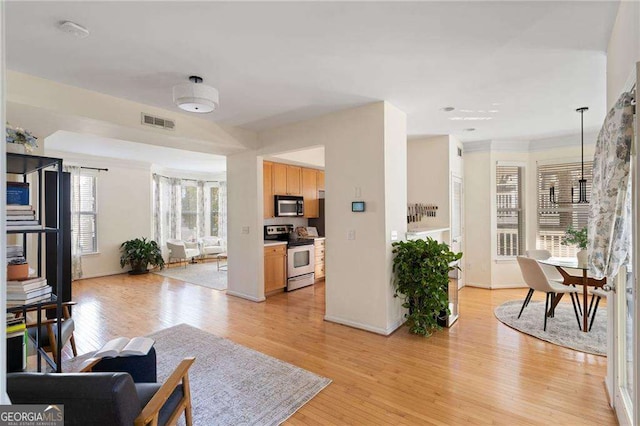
(300, 255)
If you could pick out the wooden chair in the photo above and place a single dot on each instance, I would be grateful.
(48, 328)
(537, 280)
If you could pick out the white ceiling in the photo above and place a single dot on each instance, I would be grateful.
(275, 63)
(167, 158)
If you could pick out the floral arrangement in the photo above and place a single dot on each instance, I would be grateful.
(21, 136)
(576, 236)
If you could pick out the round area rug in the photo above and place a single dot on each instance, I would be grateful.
(562, 330)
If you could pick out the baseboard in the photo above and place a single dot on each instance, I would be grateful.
(365, 327)
(103, 274)
(506, 286)
(245, 296)
(476, 285)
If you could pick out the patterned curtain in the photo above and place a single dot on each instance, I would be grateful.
(610, 218)
(167, 196)
(76, 249)
(222, 206)
(201, 220)
(175, 207)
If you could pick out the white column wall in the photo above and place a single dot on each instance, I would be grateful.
(244, 226)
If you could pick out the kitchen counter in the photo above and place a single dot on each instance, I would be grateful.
(274, 243)
(319, 238)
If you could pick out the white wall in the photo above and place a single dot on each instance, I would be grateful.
(428, 178)
(124, 209)
(244, 226)
(624, 49)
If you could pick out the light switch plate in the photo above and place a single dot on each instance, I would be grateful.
(394, 235)
(245, 229)
(351, 234)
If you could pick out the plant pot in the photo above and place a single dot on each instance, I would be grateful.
(138, 268)
(16, 148)
(138, 271)
(583, 257)
(17, 272)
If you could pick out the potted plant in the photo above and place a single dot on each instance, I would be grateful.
(19, 139)
(139, 253)
(579, 238)
(421, 269)
(17, 269)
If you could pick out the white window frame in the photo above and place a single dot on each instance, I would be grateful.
(94, 175)
(522, 226)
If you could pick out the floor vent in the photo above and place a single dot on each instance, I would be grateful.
(162, 123)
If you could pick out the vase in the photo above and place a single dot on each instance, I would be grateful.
(583, 257)
(16, 148)
(17, 272)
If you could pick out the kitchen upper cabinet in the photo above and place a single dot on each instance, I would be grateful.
(267, 188)
(275, 268)
(310, 192)
(287, 180)
(279, 179)
(320, 180)
(294, 180)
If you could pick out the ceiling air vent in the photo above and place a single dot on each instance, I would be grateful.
(162, 123)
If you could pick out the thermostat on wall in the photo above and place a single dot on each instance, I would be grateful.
(357, 206)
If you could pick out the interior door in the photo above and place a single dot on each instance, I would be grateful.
(624, 314)
(457, 224)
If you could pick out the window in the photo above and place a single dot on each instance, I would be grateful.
(509, 210)
(85, 223)
(214, 210)
(555, 218)
(189, 213)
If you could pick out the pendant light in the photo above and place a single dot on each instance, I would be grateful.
(582, 182)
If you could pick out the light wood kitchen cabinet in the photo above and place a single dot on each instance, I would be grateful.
(267, 189)
(275, 268)
(310, 192)
(320, 180)
(279, 179)
(319, 248)
(294, 180)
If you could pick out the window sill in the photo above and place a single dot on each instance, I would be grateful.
(95, 253)
(510, 259)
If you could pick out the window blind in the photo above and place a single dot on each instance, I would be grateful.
(86, 223)
(509, 212)
(554, 219)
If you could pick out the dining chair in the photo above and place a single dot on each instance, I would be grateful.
(537, 280)
(596, 294)
(552, 273)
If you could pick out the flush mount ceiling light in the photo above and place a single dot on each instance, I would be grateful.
(74, 29)
(195, 96)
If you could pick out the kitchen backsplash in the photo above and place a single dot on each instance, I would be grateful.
(295, 221)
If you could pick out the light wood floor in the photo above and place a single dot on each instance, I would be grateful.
(477, 372)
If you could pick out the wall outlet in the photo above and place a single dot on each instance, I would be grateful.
(245, 229)
(394, 235)
(351, 234)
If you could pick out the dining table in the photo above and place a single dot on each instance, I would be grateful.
(582, 278)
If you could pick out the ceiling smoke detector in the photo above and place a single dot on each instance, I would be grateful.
(74, 29)
(447, 109)
(195, 96)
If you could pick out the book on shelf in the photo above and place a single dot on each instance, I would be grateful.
(18, 208)
(27, 281)
(123, 346)
(28, 295)
(22, 222)
(17, 218)
(19, 212)
(15, 303)
(17, 193)
(24, 227)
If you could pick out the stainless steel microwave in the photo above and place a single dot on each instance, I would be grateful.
(288, 205)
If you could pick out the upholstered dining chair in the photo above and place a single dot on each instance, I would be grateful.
(552, 273)
(182, 250)
(537, 280)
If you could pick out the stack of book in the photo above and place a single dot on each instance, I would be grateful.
(16, 343)
(21, 218)
(28, 291)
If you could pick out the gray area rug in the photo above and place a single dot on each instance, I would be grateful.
(205, 274)
(230, 384)
(562, 330)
